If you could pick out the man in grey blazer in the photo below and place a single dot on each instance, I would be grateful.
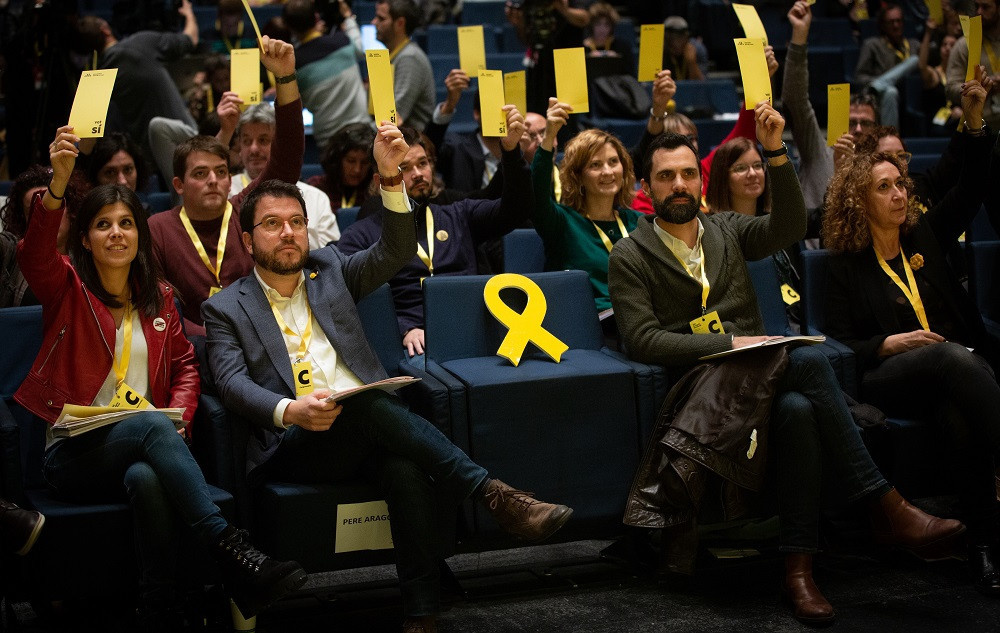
(282, 339)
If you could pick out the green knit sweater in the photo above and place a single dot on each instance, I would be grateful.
(655, 299)
(571, 241)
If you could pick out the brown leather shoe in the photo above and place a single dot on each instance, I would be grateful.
(522, 515)
(896, 522)
(424, 624)
(19, 528)
(808, 604)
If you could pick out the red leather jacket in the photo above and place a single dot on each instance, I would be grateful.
(79, 334)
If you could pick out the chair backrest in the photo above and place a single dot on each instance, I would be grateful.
(981, 229)
(768, 289)
(984, 265)
(717, 95)
(309, 170)
(158, 202)
(378, 318)
(346, 216)
(814, 265)
(22, 327)
(523, 252)
(459, 325)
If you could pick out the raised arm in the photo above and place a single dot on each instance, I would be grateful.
(190, 23)
(545, 217)
(494, 220)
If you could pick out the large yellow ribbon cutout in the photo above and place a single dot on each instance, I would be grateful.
(523, 327)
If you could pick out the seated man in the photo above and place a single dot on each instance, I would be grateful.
(197, 245)
(885, 59)
(448, 234)
(279, 320)
(680, 268)
(256, 138)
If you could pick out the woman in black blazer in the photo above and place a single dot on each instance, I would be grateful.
(893, 298)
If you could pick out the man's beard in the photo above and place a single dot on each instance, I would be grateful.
(270, 261)
(680, 208)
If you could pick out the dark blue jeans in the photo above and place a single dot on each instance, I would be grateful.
(414, 465)
(814, 441)
(959, 392)
(144, 457)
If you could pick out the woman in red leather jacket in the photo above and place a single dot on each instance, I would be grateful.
(110, 326)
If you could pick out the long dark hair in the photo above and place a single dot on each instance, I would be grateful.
(14, 215)
(356, 136)
(144, 274)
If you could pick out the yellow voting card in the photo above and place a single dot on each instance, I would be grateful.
(253, 21)
(838, 111)
(650, 51)
(972, 28)
(471, 50)
(244, 74)
(491, 103)
(90, 106)
(752, 26)
(515, 90)
(936, 11)
(571, 78)
(753, 68)
(380, 82)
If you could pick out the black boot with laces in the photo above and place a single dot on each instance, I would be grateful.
(253, 580)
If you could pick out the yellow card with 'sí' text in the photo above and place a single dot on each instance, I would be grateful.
(244, 74)
(838, 111)
(650, 51)
(571, 78)
(972, 29)
(471, 50)
(752, 26)
(515, 90)
(380, 83)
(491, 103)
(753, 68)
(90, 106)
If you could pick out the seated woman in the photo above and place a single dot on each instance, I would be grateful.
(598, 183)
(920, 342)
(111, 331)
(347, 166)
(116, 160)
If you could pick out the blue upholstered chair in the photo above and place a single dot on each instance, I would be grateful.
(523, 252)
(567, 431)
(346, 216)
(984, 281)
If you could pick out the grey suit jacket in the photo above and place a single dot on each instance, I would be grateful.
(246, 351)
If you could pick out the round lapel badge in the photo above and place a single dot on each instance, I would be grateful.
(441, 235)
(159, 324)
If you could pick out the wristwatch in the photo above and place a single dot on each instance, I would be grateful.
(390, 181)
(774, 153)
(287, 79)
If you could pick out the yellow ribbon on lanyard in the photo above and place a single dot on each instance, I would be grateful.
(220, 251)
(912, 293)
(604, 236)
(427, 257)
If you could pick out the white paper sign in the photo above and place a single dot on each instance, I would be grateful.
(363, 526)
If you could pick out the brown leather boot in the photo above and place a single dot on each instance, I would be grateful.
(896, 522)
(809, 605)
(19, 528)
(522, 515)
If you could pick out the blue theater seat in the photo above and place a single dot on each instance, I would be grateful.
(346, 216)
(523, 252)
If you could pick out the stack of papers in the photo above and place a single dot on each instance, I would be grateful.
(388, 385)
(781, 340)
(75, 419)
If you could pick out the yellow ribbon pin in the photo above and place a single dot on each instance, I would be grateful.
(523, 327)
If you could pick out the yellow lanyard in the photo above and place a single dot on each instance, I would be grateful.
(121, 363)
(348, 202)
(427, 257)
(220, 249)
(209, 100)
(304, 338)
(705, 288)
(991, 54)
(901, 54)
(225, 40)
(604, 236)
(395, 51)
(912, 293)
(310, 36)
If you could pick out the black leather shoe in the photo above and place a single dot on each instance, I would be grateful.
(984, 574)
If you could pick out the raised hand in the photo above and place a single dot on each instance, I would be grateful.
(770, 125)
(555, 118)
(228, 111)
(515, 128)
(62, 156)
(456, 82)
(772, 61)
(664, 89)
(843, 151)
(974, 94)
(800, 17)
(277, 56)
(389, 149)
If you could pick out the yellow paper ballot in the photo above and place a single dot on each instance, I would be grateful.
(253, 21)
(650, 51)
(752, 26)
(380, 82)
(936, 11)
(90, 106)
(972, 28)
(515, 90)
(571, 78)
(838, 111)
(753, 68)
(471, 50)
(244, 74)
(491, 103)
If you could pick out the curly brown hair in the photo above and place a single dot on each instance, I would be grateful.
(579, 151)
(845, 217)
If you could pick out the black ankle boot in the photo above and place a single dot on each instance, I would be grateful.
(985, 576)
(253, 580)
